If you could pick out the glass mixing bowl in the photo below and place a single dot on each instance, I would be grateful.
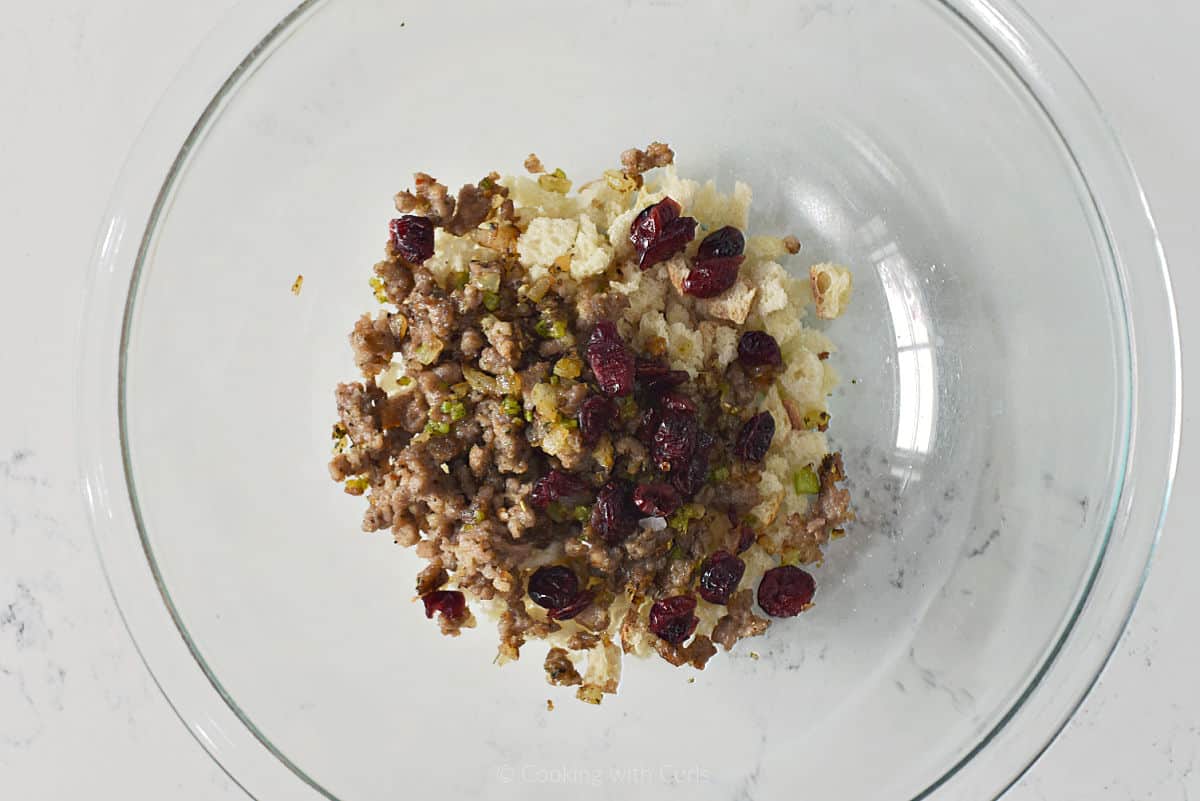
(1010, 428)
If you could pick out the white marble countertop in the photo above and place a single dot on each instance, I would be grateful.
(79, 715)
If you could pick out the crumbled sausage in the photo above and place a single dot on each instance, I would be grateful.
(560, 670)
(533, 164)
(373, 343)
(738, 621)
(428, 198)
(473, 207)
(484, 387)
(635, 161)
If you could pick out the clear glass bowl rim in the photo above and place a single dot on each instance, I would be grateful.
(254, 764)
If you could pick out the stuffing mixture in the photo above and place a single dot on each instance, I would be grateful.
(597, 415)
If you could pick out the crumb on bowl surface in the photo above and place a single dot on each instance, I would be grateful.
(598, 415)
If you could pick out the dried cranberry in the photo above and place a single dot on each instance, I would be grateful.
(719, 576)
(553, 586)
(570, 610)
(656, 377)
(596, 416)
(452, 604)
(649, 369)
(758, 349)
(673, 240)
(786, 591)
(614, 516)
(610, 360)
(677, 403)
(554, 485)
(674, 440)
(691, 478)
(672, 619)
(745, 538)
(722, 243)
(412, 237)
(658, 232)
(755, 438)
(650, 223)
(656, 500)
(707, 279)
(648, 425)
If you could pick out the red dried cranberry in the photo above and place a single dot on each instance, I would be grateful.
(657, 377)
(658, 232)
(554, 485)
(672, 619)
(673, 240)
(570, 610)
(677, 403)
(786, 591)
(690, 479)
(719, 576)
(452, 604)
(656, 500)
(721, 243)
(553, 586)
(648, 425)
(755, 438)
(745, 538)
(596, 416)
(710, 278)
(614, 517)
(648, 368)
(674, 440)
(650, 223)
(759, 349)
(610, 360)
(412, 237)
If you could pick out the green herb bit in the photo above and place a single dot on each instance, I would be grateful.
(440, 427)
(459, 279)
(807, 482)
(510, 406)
(480, 515)
(685, 515)
(582, 513)
(548, 328)
(720, 474)
(491, 301)
(456, 409)
(357, 485)
(377, 286)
